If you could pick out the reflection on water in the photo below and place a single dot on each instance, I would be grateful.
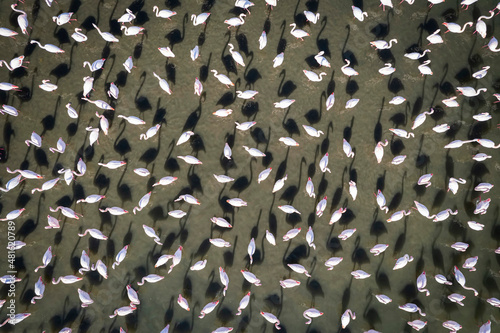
(142, 95)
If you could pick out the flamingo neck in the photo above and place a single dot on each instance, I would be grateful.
(6, 65)
(465, 26)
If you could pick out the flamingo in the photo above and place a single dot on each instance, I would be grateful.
(96, 65)
(384, 299)
(481, 73)
(47, 86)
(311, 313)
(492, 44)
(410, 307)
(379, 150)
(346, 317)
(164, 181)
(222, 78)
(425, 180)
(435, 38)
(387, 70)
(467, 3)
(245, 4)
(487, 143)
(114, 92)
(423, 210)
(167, 52)
(419, 120)
(13, 182)
(402, 262)
(416, 55)
(311, 17)
(284, 103)
(163, 84)
(358, 13)
(35, 140)
(481, 26)
(451, 102)
(435, 2)
(26, 173)
(7, 33)
(199, 265)
(78, 36)
(382, 44)
(199, 19)
(10, 110)
(424, 69)
(417, 324)
(150, 132)
(48, 47)
(151, 278)
(164, 13)
(132, 30)
(39, 290)
(128, 64)
(13, 214)
(84, 298)
(14, 63)
(269, 316)
(107, 36)
(322, 60)
(402, 133)
(63, 18)
(378, 249)
(114, 210)
(459, 276)
(262, 40)
(236, 55)
(455, 28)
(349, 71)
(351, 103)
(195, 53)
(88, 85)
(127, 17)
(353, 190)
(278, 60)
(47, 257)
(15, 319)
(470, 92)
(235, 21)
(313, 76)
(61, 147)
(243, 303)
(346, 146)
(458, 143)
(398, 215)
(381, 201)
(453, 184)
(94, 233)
(99, 103)
(208, 308)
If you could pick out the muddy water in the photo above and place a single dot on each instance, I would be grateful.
(332, 292)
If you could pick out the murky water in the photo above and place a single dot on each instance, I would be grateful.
(332, 292)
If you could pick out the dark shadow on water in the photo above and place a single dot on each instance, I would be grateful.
(285, 89)
(175, 36)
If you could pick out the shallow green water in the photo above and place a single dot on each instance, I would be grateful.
(332, 292)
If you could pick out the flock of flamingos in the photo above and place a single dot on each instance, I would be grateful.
(456, 278)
